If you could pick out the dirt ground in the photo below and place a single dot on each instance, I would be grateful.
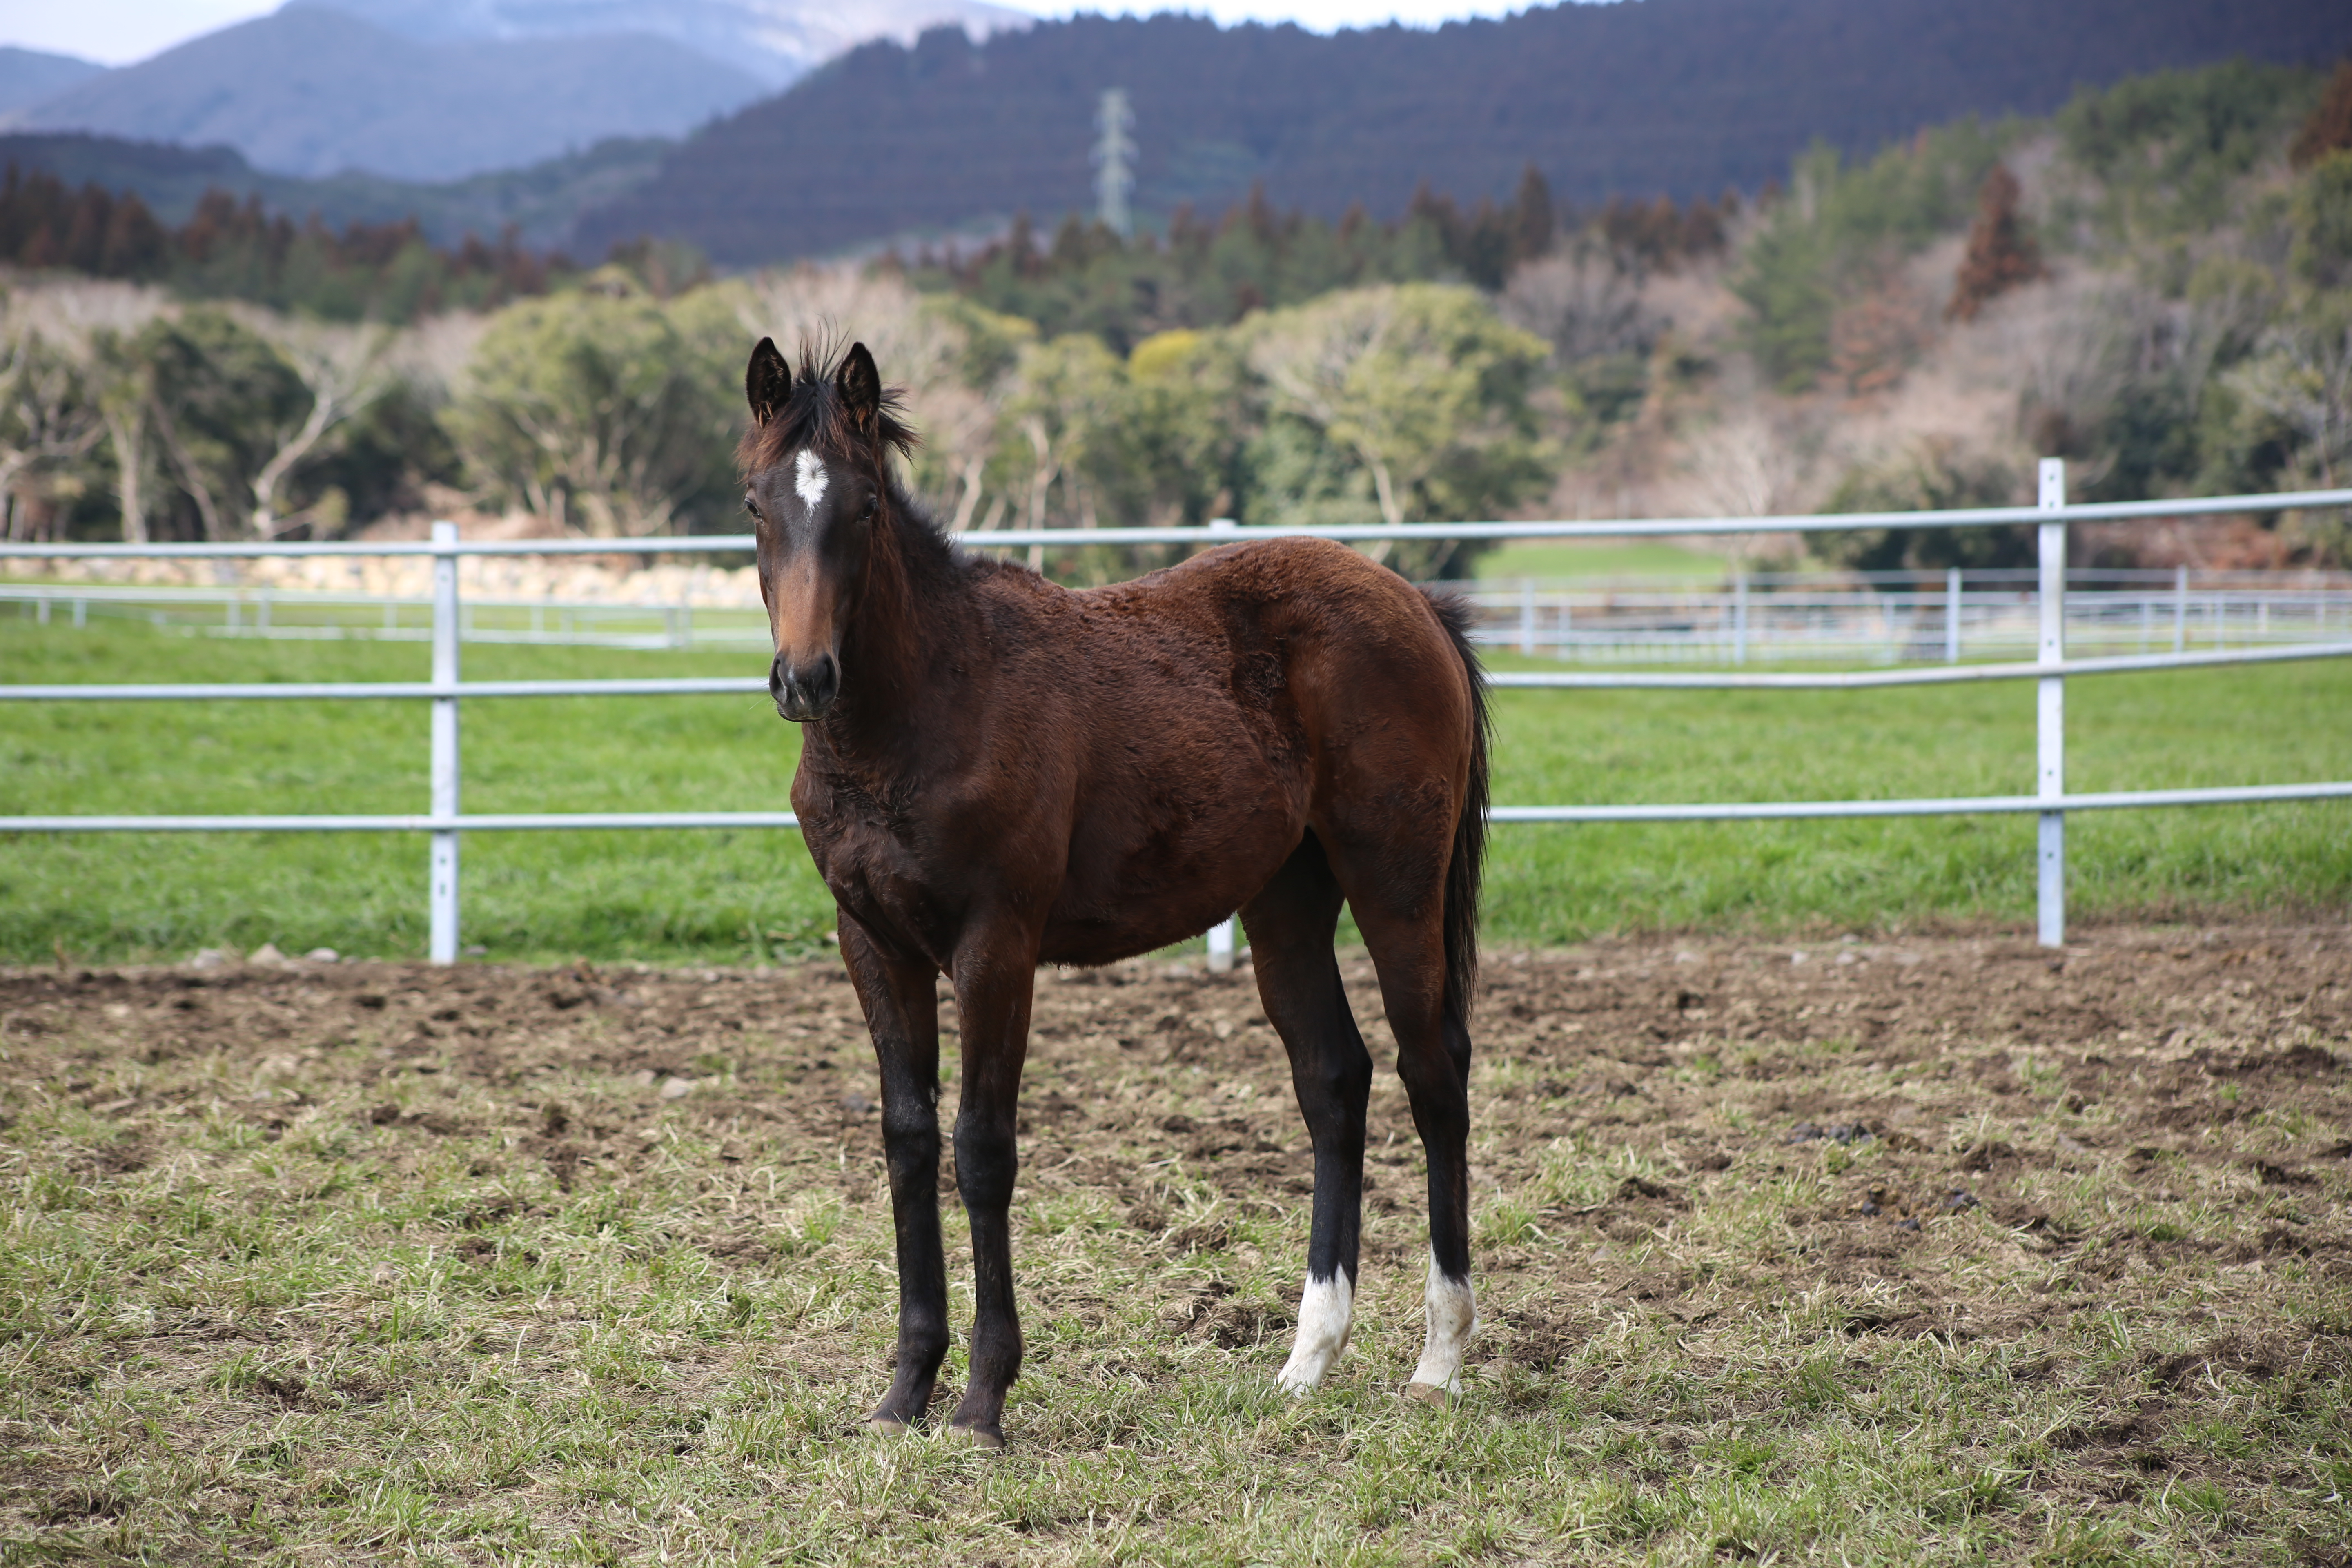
(1718, 1061)
(1969, 1138)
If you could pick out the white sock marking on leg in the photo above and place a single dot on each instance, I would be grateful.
(1325, 1311)
(1452, 1318)
(808, 478)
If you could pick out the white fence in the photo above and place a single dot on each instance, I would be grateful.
(295, 614)
(444, 822)
(1896, 616)
(1883, 617)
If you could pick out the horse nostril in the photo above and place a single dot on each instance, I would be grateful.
(823, 681)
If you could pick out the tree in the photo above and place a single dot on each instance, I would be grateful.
(1068, 393)
(1176, 455)
(596, 401)
(1532, 218)
(2303, 379)
(1933, 474)
(126, 385)
(49, 423)
(341, 372)
(952, 360)
(1584, 303)
(1423, 385)
(218, 392)
(2000, 254)
(2320, 218)
(2329, 129)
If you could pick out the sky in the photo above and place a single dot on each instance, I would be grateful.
(117, 32)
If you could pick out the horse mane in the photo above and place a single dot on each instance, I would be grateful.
(813, 418)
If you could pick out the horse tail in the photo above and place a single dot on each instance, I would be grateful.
(1462, 872)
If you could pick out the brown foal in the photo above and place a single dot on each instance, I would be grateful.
(999, 772)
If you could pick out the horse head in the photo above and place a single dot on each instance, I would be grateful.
(815, 464)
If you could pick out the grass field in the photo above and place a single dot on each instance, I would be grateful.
(736, 897)
(1554, 558)
(1932, 1251)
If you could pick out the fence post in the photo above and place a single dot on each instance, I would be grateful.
(2181, 609)
(2050, 720)
(1739, 616)
(443, 881)
(1220, 947)
(1527, 615)
(1952, 614)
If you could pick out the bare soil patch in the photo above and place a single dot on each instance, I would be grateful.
(2142, 1045)
(2121, 1174)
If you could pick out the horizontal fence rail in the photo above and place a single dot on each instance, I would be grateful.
(1880, 617)
(1540, 680)
(1361, 534)
(1733, 811)
(1889, 618)
(445, 822)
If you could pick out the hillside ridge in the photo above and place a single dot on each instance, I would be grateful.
(314, 91)
(1680, 96)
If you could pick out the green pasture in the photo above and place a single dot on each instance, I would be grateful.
(735, 896)
(1555, 558)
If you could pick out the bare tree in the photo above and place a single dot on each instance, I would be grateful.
(1581, 302)
(184, 463)
(126, 388)
(955, 386)
(88, 324)
(47, 422)
(1745, 467)
(342, 369)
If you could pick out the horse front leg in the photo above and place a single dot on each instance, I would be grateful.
(994, 980)
(902, 1013)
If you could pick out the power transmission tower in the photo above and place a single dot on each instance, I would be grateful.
(1113, 149)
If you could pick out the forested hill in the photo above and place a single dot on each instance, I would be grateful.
(1682, 97)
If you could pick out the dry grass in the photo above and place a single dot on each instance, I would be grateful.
(376, 1262)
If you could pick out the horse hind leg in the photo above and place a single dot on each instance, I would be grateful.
(1434, 1059)
(1290, 924)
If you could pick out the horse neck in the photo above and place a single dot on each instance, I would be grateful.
(905, 605)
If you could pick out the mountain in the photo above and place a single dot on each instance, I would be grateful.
(775, 40)
(1682, 97)
(314, 91)
(541, 201)
(28, 76)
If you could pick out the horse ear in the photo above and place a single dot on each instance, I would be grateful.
(860, 385)
(767, 382)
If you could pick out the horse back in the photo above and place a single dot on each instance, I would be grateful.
(1220, 709)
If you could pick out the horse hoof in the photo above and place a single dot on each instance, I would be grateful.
(978, 1436)
(1425, 1393)
(885, 1425)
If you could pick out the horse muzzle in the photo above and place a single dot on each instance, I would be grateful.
(803, 691)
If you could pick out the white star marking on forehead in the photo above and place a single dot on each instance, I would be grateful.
(809, 478)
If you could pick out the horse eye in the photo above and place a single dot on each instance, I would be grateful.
(752, 506)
